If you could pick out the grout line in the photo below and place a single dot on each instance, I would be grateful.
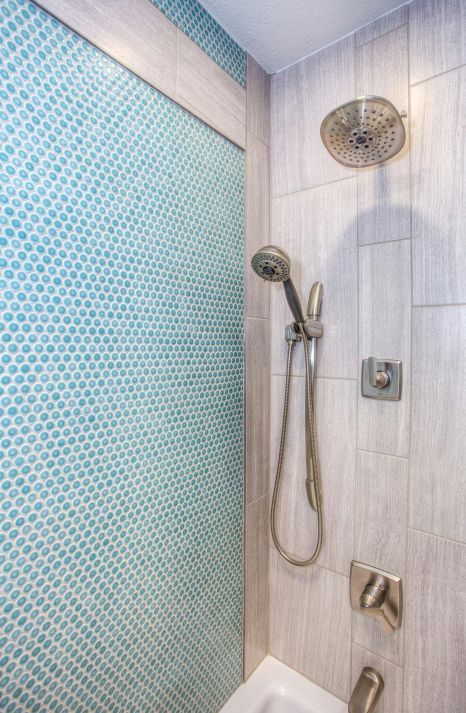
(379, 453)
(269, 368)
(328, 378)
(411, 389)
(437, 537)
(445, 304)
(440, 74)
(311, 188)
(380, 656)
(250, 316)
(356, 428)
(383, 242)
(320, 566)
(259, 497)
(382, 34)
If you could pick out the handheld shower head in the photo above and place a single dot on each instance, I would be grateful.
(273, 264)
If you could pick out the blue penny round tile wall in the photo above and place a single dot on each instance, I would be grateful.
(121, 299)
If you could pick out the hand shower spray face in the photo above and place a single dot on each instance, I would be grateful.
(273, 264)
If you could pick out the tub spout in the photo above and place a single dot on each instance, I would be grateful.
(367, 692)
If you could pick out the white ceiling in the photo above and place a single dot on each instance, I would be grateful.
(280, 32)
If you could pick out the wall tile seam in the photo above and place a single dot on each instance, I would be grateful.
(303, 376)
(382, 34)
(437, 537)
(256, 316)
(380, 453)
(259, 497)
(438, 306)
(256, 138)
(384, 242)
(277, 196)
(440, 74)
(380, 656)
(358, 324)
(253, 133)
(320, 566)
(180, 33)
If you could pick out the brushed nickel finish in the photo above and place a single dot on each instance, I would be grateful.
(378, 379)
(314, 302)
(381, 379)
(363, 132)
(273, 264)
(367, 691)
(377, 594)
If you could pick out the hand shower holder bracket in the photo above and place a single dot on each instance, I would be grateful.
(291, 334)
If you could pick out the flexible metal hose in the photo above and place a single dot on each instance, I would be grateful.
(310, 412)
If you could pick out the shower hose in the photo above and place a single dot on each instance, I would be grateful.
(278, 477)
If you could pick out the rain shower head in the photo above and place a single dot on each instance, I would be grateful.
(273, 264)
(363, 132)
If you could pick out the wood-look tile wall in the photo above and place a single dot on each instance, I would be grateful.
(257, 378)
(389, 243)
(138, 36)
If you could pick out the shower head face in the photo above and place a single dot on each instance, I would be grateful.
(363, 132)
(271, 263)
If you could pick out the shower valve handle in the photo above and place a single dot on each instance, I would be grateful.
(378, 379)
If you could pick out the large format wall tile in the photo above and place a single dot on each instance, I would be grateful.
(437, 37)
(383, 190)
(385, 331)
(310, 623)
(435, 625)
(381, 26)
(318, 228)
(256, 554)
(438, 159)
(438, 451)
(133, 33)
(381, 503)
(209, 92)
(257, 426)
(392, 698)
(335, 430)
(369, 634)
(205, 31)
(257, 224)
(302, 96)
(258, 98)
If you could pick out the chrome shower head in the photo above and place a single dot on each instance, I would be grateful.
(363, 132)
(273, 264)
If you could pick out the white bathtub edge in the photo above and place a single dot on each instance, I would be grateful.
(275, 678)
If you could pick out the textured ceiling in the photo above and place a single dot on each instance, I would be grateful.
(280, 32)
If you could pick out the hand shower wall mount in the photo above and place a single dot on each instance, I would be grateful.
(273, 264)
